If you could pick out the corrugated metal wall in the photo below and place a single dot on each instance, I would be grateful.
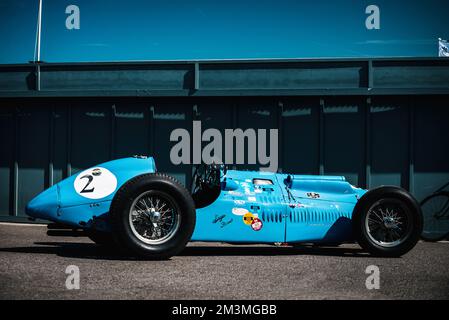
(398, 140)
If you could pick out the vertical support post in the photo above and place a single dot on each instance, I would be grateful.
(112, 138)
(15, 182)
(367, 117)
(411, 148)
(321, 137)
(197, 76)
(38, 77)
(195, 117)
(51, 147)
(370, 74)
(69, 140)
(279, 112)
(194, 144)
(235, 120)
(151, 130)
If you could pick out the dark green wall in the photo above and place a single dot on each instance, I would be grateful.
(400, 140)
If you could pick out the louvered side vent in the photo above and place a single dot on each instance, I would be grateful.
(270, 199)
(302, 215)
(273, 216)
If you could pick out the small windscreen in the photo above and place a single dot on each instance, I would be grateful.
(262, 182)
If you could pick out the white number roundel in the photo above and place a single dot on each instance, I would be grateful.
(95, 183)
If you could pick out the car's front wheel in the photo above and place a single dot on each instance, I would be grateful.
(387, 221)
(153, 216)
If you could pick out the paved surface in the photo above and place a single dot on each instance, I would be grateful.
(32, 266)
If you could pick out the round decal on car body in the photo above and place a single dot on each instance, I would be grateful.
(95, 183)
(256, 224)
(248, 218)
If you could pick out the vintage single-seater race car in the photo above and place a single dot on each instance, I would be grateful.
(126, 203)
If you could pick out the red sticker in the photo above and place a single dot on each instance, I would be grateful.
(256, 224)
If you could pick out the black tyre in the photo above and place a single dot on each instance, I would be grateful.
(435, 209)
(387, 221)
(102, 238)
(153, 216)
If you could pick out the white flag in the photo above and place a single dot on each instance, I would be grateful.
(443, 48)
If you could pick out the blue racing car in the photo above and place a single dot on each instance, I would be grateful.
(127, 203)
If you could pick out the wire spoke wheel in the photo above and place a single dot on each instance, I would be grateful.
(435, 211)
(154, 217)
(388, 223)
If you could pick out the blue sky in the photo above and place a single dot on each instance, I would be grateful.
(209, 29)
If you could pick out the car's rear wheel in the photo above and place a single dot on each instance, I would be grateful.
(153, 216)
(387, 221)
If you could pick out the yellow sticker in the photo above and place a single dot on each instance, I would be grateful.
(248, 218)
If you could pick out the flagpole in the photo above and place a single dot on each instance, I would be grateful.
(39, 27)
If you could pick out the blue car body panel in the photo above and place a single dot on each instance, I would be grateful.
(221, 222)
(252, 207)
(63, 204)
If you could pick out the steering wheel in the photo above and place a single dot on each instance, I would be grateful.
(206, 177)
